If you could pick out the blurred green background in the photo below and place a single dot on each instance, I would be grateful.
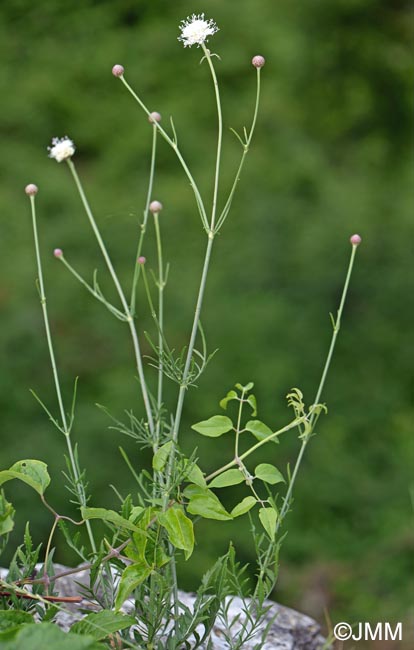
(331, 156)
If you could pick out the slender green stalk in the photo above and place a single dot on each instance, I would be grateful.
(130, 320)
(161, 286)
(137, 266)
(173, 144)
(236, 444)
(65, 426)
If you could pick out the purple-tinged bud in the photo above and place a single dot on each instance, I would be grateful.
(258, 61)
(118, 70)
(155, 207)
(31, 189)
(58, 253)
(154, 117)
(142, 259)
(355, 240)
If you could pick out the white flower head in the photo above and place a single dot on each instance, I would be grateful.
(195, 30)
(61, 149)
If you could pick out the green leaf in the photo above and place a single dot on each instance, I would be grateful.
(131, 578)
(260, 430)
(230, 477)
(269, 474)
(243, 507)
(161, 456)
(110, 516)
(32, 472)
(6, 515)
(268, 518)
(229, 397)
(179, 528)
(11, 621)
(195, 475)
(48, 635)
(100, 624)
(253, 403)
(214, 426)
(205, 503)
(245, 388)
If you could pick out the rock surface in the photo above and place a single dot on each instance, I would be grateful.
(289, 630)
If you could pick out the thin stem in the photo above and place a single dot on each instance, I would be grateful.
(236, 445)
(66, 429)
(137, 267)
(135, 341)
(173, 145)
(161, 285)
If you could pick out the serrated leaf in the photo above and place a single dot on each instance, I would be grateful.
(31, 472)
(161, 456)
(131, 578)
(268, 473)
(48, 635)
(229, 397)
(206, 504)
(110, 516)
(268, 518)
(214, 427)
(230, 477)
(243, 507)
(260, 430)
(179, 528)
(99, 624)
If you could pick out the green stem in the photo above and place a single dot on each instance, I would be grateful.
(161, 285)
(134, 335)
(137, 266)
(174, 146)
(66, 429)
(236, 445)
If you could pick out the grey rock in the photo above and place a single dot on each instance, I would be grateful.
(289, 630)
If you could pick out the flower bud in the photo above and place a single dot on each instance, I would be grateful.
(118, 70)
(258, 61)
(142, 259)
(155, 207)
(154, 117)
(58, 252)
(355, 240)
(31, 189)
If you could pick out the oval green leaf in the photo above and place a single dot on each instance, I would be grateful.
(207, 505)
(230, 477)
(260, 430)
(130, 580)
(31, 472)
(48, 635)
(268, 518)
(214, 426)
(100, 624)
(195, 475)
(243, 507)
(110, 516)
(269, 474)
(229, 397)
(161, 456)
(179, 528)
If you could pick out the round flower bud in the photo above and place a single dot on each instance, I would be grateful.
(118, 70)
(258, 61)
(155, 207)
(31, 189)
(355, 240)
(154, 117)
(58, 252)
(142, 259)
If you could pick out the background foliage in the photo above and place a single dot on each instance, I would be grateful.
(330, 157)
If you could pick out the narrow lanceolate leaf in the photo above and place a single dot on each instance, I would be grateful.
(229, 397)
(179, 528)
(268, 473)
(260, 430)
(100, 624)
(205, 503)
(230, 477)
(214, 426)
(161, 456)
(268, 518)
(110, 516)
(130, 580)
(31, 472)
(243, 507)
